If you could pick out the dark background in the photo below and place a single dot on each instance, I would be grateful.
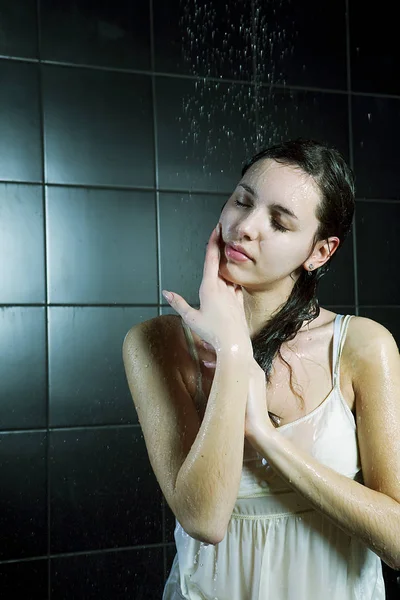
(123, 127)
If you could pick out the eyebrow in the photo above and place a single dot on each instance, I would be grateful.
(275, 206)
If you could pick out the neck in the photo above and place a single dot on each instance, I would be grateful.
(259, 306)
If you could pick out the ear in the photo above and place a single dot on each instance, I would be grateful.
(322, 252)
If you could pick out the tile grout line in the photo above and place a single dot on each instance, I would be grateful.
(138, 188)
(157, 224)
(278, 86)
(46, 289)
(112, 550)
(351, 149)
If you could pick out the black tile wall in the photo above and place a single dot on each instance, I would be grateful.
(24, 579)
(22, 243)
(376, 130)
(123, 130)
(23, 368)
(86, 375)
(116, 575)
(119, 226)
(20, 143)
(283, 45)
(301, 43)
(217, 42)
(375, 54)
(103, 491)
(337, 286)
(377, 250)
(182, 257)
(104, 120)
(206, 130)
(112, 34)
(23, 516)
(18, 20)
(285, 114)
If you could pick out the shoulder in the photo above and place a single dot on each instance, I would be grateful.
(160, 331)
(162, 341)
(364, 335)
(368, 346)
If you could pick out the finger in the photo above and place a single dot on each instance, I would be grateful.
(212, 258)
(181, 306)
(207, 346)
(209, 364)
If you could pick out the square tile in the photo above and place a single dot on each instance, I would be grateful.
(21, 244)
(23, 347)
(377, 252)
(105, 122)
(135, 574)
(182, 255)
(288, 114)
(375, 54)
(202, 38)
(23, 520)
(301, 43)
(376, 130)
(103, 491)
(20, 139)
(24, 579)
(206, 131)
(112, 34)
(101, 246)
(88, 384)
(18, 20)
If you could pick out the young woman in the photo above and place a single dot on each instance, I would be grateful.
(272, 424)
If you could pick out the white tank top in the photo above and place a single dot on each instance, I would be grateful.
(277, 546)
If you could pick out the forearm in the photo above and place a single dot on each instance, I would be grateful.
(209, 479)
(359, 511)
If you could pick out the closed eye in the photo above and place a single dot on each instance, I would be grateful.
(275, 223)
(278, 226)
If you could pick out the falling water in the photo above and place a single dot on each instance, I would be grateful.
(236, 52)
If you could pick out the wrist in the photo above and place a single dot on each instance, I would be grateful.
(265, 435)
(236, 351)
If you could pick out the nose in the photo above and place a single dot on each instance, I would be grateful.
(248, 227)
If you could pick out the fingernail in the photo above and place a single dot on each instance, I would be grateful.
(167, 295)
(208, 363)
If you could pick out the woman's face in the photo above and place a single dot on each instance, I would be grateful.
(275, 225)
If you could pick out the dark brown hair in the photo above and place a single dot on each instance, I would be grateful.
(335, 212)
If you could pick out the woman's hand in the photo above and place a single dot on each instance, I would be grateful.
(221, 320)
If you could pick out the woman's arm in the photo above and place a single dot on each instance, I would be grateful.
(370, 512)
(209, 478)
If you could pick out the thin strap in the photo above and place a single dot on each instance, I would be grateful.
(193, 354)
(339, 336)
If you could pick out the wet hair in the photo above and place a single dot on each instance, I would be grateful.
(334, 212)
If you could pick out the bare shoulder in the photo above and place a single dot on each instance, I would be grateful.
(161, 338)
(366, 336)
(370, 351)
(161, 330)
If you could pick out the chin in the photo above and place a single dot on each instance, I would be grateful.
(226, 274)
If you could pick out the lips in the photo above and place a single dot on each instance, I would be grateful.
(240, 249)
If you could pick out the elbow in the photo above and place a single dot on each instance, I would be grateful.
(206, 536)
(209, 538)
